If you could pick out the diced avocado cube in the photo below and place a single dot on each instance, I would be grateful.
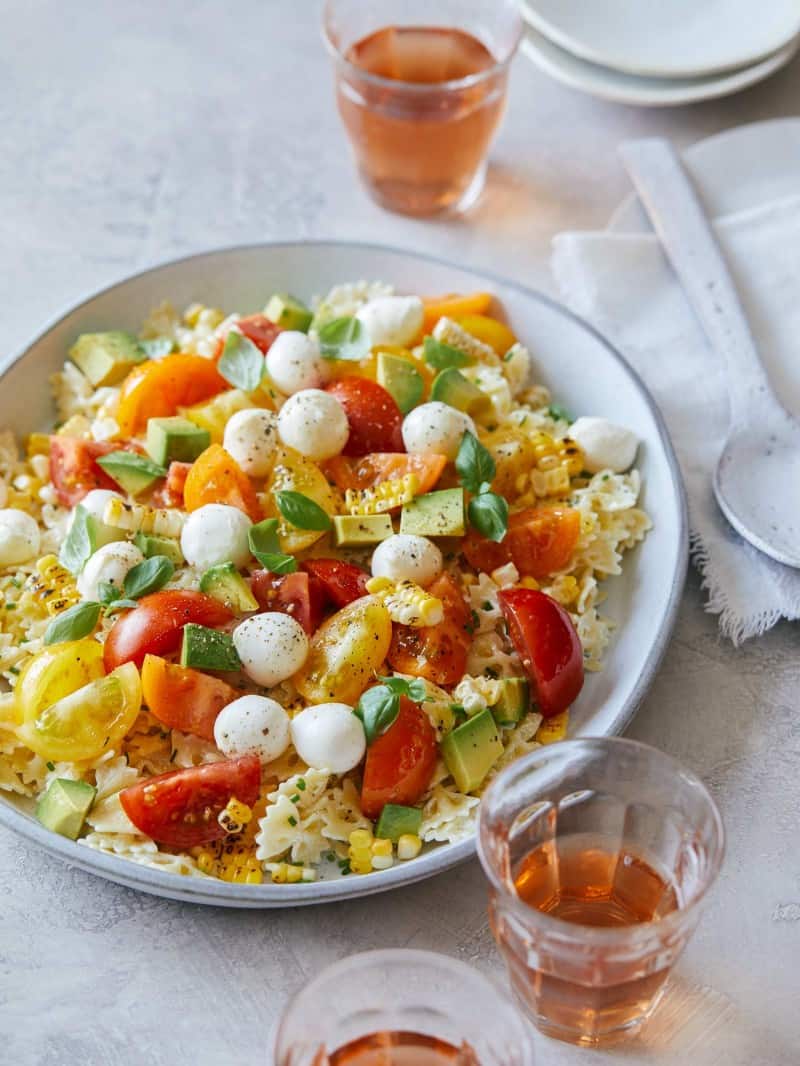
(208, 649)
(471, 750)
(351, 530)
(514, 702)
(226, 584)
(395, 820)
(401, 379)
(288, 312)
(436, 514)
(63, 808)
(132, 472)
(176, 439)
(451, 387)
(150, 545)
(106, 358)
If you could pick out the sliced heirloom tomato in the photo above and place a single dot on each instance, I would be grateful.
(550, 649)
(539, 542)
(170, 494)
(454, 306)
(365, 473)
(257, 328)
(54, 672)
(437, 653)
(374, 418)
(180, 808)
(399, 765)
(216, 477)
(183, 698)
(301, 595)
(155, 625)
(74, 469)
(341, 582)
(157, 388)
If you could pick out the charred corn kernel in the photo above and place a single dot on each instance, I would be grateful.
(206, 862)
(136, 517)
(553, 729)
(385, 496)
(235, 816)
(382, 862)
(294, 875)
(407, 603)
(279, 874)
(409, 846)
(449, 332)
(381, 846)
(37, 444)
(529, 583)
(550, 453)
(53, 586)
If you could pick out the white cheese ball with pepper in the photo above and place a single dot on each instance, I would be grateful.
(314, 423)
(109, 565)
(435, 427)
(395, 320)
(294, 362)
(605, 446)
(19, 537)
(216, 533)
(405, 557)
(272, 647)
(328, 736)
(251, 437)
(252, 725)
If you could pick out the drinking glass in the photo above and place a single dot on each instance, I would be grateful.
(571, 827)
(421, 101)
(397, 992)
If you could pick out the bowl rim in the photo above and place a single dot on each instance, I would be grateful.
(210, 891)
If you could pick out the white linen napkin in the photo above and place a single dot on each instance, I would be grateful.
(623, 284)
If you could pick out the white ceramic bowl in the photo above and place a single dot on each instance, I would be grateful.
(585, 374)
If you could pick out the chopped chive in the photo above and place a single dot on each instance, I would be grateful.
(50, 766)
(486, 605)
(295, 798)
(13, 670)
(292, 820)
(301, 784)
(11, 606)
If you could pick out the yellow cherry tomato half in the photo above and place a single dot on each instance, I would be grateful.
(294, 473)
(87, 722)
(489, 330)
(54, 673)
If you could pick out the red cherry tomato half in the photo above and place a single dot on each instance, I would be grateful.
(74, 470)
(180, 808)
(342, 582)
(400, 763)
(300, 595)
(170, 494)
(374, 417)
(545, 638)
(256, 328)
(155, 626)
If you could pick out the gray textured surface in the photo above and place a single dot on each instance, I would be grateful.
(137, 132)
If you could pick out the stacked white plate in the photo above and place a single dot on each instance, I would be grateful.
(656, 53)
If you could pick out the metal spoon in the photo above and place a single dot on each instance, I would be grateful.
(757, 479)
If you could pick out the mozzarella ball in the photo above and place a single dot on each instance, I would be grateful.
(392, 319)
(109, 564)
(435, 427)
(251, 437)
(404, 557)
(314, 423)
(95, 502)
(329, 737)
(272, 647)
(19, 537)
(294, 362)
(605, 446)
(216, 534)
(252, 725)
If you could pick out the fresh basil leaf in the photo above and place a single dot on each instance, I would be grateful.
(441, 356)
(344, 338)
(474, 464)
(73, 624)
(241, 362)
(263, 537)
(415, 689)
(119, 605)
(488, 513)
(137, 464)
(378, 709)
(157, 347)
(107, 592)
(80, 542)
(277, 563)
(148, 576)
(301, 512)
(559, 413)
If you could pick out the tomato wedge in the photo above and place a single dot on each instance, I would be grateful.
(180, 808)
(170, 494)
(159, 387)
(550, 649)
(342, 582)
(300, 595)
(539, 541)
(373, 415)
(257, 328)
(183, 698)
(74, 470)
(437, 653)
(155, 626)
(216, 477)
(454, 306)
(371, 470)
(399, 764)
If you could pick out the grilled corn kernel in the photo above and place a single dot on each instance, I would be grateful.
(385, 496)
(53, 586)
(550, 453)
(381, 847)
(136, 517)
(361, 838)
(449, 332)
(235, 816)
(529, 583)
(553, 729)
(409, 846)
(407, 603)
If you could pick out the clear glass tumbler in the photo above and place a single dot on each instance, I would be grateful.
(395, 997)
(598, 853)
(421, 88)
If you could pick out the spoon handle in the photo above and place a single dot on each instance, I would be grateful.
(687, 237)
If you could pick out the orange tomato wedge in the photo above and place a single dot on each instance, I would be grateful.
(158, 388)
(453, 306)
(183, 698)
(370, 470)
(539, 542)
(216, 477)
(489, 330)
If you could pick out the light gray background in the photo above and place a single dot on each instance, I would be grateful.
(138, 131)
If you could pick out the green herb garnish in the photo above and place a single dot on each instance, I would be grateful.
(344, 338)
(241, 362)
